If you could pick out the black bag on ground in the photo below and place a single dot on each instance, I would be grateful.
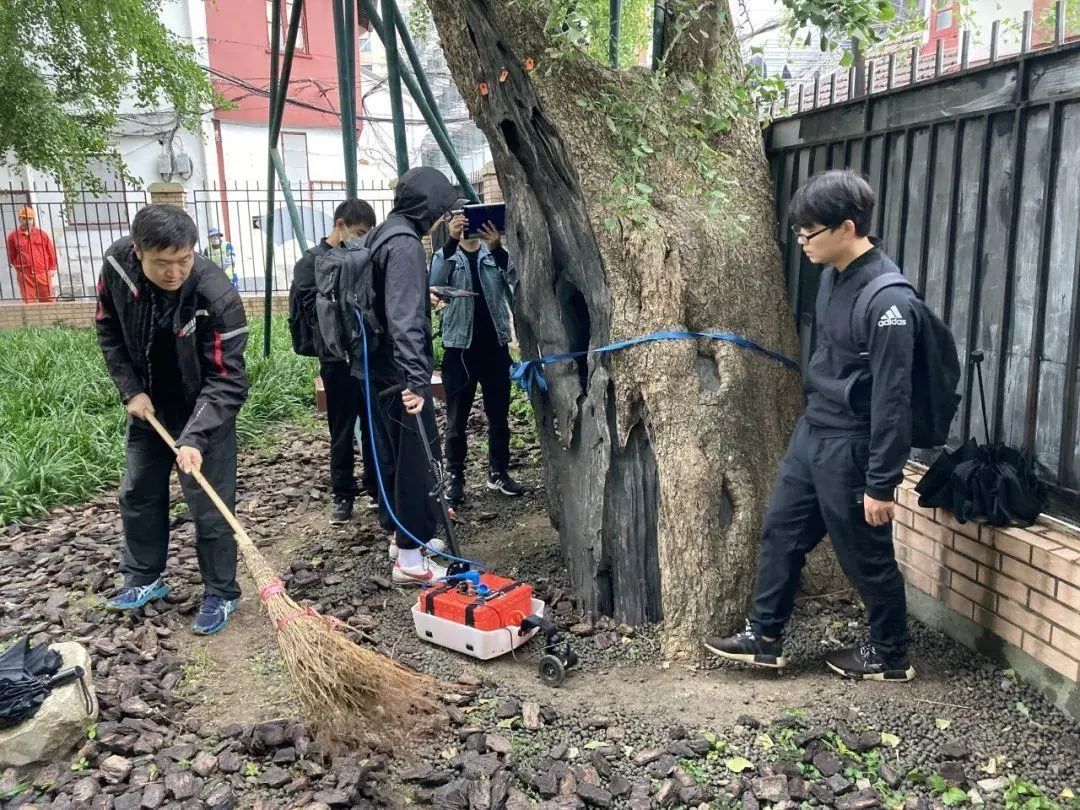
(993, 482)
(345, 285)
(935, 368)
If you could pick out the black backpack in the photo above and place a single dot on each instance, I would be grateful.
(935, 368)
(303, 325)
(345, 285)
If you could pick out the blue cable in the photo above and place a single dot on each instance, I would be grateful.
(530, 373)
(378, 468)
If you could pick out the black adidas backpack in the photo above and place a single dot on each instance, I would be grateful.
(345, 286)
(935, 367)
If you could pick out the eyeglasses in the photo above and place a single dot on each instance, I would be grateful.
(803, 238)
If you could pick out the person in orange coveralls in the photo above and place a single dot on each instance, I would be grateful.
(30, 251)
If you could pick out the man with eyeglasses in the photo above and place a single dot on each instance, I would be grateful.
(847, 453)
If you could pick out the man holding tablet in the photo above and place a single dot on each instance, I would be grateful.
(476, 335)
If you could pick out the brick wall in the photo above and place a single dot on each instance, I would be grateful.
(1022, 585)
(81, 313)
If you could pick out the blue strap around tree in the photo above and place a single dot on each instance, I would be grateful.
(530, 373)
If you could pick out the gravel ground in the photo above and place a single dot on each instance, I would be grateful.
(190, 723)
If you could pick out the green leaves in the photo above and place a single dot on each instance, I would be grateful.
(890, 740)
(954, 796)
(942, 723)
(738, 764)
(67, 68)
(66, 438)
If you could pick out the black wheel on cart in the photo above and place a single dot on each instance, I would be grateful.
(551, 670)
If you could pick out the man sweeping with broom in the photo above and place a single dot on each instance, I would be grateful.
(172, 329)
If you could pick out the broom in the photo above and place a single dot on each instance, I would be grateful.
(348, 692)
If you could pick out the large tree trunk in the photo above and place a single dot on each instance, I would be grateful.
(660, 458)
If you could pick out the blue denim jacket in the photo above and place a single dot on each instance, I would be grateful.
(497, 288)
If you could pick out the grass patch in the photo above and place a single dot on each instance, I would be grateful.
(62, 440)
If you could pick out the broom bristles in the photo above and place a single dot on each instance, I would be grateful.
(351, 693)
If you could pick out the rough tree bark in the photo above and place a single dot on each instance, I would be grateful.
(659, 459)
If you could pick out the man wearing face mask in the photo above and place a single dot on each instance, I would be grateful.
(400, 369)
(344, 394)
(172, 329)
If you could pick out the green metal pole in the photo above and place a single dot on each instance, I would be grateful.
(346, 92)
(419, 83)
(350, 75)
(429, 113)
(417, 68)
(658, 24)
(290, 203)
(279, 90)
(614, 31)
(275, 55)
(393, 63)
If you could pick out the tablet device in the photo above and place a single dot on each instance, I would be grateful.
(478, 215)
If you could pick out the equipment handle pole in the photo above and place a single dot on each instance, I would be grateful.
(976, 359)
(436, 470)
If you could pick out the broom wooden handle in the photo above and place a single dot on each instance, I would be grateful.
(198, 476)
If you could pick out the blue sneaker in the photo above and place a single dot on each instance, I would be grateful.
(135, 596)
(213, 615)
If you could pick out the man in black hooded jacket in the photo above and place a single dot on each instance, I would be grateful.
(400, 369)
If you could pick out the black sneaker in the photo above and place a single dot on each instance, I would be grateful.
(342, 511)
(502, 482)
(455, 489)
(749, 648)
(865, 663)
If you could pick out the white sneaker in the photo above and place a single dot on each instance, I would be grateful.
(423, 574)
(435, 543)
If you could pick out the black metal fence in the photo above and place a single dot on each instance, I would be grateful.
(978, 180)
(82, 225)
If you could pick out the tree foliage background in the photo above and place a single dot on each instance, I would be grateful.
(66, 66)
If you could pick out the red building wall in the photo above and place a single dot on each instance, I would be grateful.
(239, 50)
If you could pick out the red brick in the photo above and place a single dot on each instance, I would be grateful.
(960, 564)
(1012, 546)
(1063, 538)
(961, 604)
(1054, 611)
(907, 498)
(980, 552)
(1053, 563)
(949, 521)
(1006, 586)
(926, 565)
(1069, 594)
(1065, 642)
(904, 517)
(919, 542)
(976, 593)
(917, 579)
(999, 627)
(1038, 580)
(1055, 659)
(932, 530)
(1022, 617)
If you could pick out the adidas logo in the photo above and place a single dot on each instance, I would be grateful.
(892, 318)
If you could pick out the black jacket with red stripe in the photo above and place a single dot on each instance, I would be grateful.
(211, 334)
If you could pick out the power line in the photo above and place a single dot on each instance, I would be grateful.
(255, 90)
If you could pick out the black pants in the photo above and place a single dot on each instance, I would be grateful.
(462, 371)
(344, 404)
(407, 478)
(144, 508)
(819, 490)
